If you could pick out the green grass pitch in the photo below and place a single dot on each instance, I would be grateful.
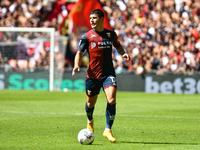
(42, 120)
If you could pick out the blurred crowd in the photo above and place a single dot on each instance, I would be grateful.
(28, 55)
(25, 13)
(159, 35)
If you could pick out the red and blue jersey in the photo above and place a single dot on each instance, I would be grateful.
(99, 48)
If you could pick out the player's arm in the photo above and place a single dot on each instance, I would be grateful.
(120, 48)
(77, 61)
(122, 52)
(83, 44)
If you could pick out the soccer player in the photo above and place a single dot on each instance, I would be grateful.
(100, 73)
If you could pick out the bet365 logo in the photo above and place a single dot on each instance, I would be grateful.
(186, 85)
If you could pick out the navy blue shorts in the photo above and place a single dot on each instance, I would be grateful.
(93, 86)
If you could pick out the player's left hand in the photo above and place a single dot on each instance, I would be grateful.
(126, 56)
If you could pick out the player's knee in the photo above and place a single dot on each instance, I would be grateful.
(90, 105)
(112, 101)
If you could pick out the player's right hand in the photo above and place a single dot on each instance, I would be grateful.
(126, 56)
(75, 69)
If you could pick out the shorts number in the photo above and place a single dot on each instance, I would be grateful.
(113, 80)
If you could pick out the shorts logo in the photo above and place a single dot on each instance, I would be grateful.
(93, 44)
(89, 92)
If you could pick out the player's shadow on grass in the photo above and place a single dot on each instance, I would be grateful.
(158, 143)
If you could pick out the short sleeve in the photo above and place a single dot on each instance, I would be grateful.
(83, 43)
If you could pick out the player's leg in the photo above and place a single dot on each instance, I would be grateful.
(110, 91)
(111, 105)
(92, 91)
(110, 112)
(89, 108)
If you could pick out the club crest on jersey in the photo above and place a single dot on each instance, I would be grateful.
(108, 34)
(89, 92)
(93, 44)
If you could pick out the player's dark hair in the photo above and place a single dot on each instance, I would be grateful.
(97, 12)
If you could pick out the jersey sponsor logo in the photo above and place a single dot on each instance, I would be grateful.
(93, 45)
(106, 44)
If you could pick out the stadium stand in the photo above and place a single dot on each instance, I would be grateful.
(160, 35)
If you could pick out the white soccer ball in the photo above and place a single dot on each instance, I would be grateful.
(85, 136)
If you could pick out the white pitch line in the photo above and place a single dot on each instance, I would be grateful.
(82, 114)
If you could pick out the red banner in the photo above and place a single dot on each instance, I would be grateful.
(80, 13)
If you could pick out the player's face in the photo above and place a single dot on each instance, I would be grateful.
(95, 21)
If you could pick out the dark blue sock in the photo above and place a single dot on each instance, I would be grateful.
(89, 112)
(110, 115)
